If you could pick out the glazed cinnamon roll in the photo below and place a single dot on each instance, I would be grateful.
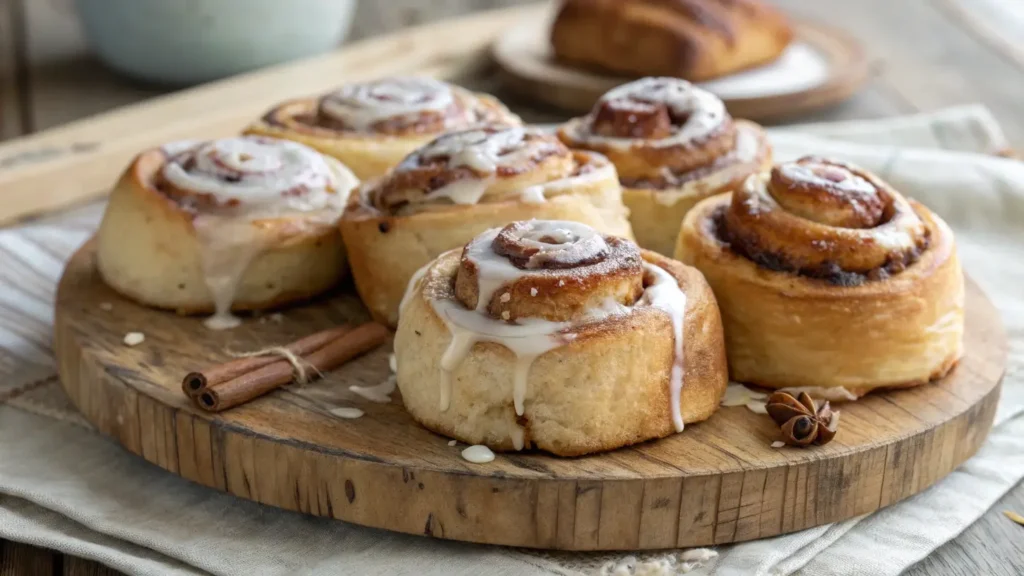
(235, 224)
(829, 279)
(549, 334)
(372, 126)
(673, 145)
(447, 192)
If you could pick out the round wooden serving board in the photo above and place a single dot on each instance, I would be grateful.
(717, 482)
(822, 67)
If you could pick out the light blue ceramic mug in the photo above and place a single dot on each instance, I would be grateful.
(191, 41)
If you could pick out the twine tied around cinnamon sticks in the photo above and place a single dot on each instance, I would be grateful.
(254, 374)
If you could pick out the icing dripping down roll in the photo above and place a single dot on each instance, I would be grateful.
(460, 185)
(522, 305)
(237, 223)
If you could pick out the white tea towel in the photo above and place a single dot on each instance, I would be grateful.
(64, 487)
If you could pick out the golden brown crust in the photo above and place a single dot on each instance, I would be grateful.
(824, 218)
(386, 247)
(691, 149)
(371, 151)
(570, 287)
(148, 250)
(861, 332)
(608, 387)
(691, 39)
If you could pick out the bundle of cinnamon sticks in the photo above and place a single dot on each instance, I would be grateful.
(243, 379)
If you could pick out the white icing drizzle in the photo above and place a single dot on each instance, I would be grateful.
(179, 146)
(381, 393)
(739, 395)
(465, 191)
(758, 406)
(704, 112)
(250, 178)
(850, 182)
(538, 193)
(529, 338)
(478, 454)
(664, 293)
(483, 151)
(414, 282)
(518, 436)
(347, 412)
(533, 195)
(571, 241)
(254, 172)
(360, 106)
(229, 246)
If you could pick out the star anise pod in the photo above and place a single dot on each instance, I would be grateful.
(803, 422)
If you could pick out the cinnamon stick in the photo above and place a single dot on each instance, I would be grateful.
(254, 384)
(195, 383)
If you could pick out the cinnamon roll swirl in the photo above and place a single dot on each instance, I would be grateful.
(372, 126)
(673, 145)
(447, 192)
(829, 278)
(552, 335)
(235, 224)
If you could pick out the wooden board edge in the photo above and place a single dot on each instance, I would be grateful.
(564, 513)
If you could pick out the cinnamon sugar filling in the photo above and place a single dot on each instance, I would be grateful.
(830, 272)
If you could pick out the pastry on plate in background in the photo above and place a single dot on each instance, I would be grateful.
(692, 39)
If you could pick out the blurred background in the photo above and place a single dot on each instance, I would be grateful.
(924, 54)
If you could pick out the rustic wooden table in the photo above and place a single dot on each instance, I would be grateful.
(928, 54)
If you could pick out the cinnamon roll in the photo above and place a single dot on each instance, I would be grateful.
(673, 145)
(829, 279)
(372, 126)
(549, 334)
(447, 192)
(235, 224)
(691, 39)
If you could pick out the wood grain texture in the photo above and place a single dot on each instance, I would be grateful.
(529, 71)
(12, 81)
(27, 559)
(24, 560)
(716, 483)
(992, 545)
